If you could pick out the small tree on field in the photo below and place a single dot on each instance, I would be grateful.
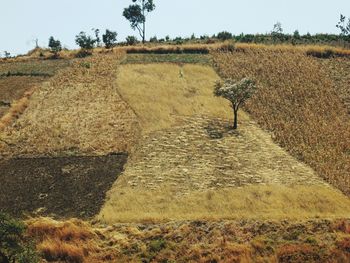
(84, 41)
(344, 25)
(131, 40)
(136, 14)
(236, 92)
(55, 45)
(109, 38)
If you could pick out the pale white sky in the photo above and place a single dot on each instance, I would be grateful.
(21, 21)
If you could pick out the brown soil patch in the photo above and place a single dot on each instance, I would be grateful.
(14, 88)
(67, 187)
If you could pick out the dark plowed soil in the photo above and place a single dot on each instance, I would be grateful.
(60, 187)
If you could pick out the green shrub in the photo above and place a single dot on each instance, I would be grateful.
(131, 40)
(109, 38)
(55, 46)
(14, 247)
(84, 41)
(224, 35)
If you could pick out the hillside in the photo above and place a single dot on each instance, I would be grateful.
(298, 102)
(137, 146)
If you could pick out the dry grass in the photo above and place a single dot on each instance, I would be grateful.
(14, 112)
(174, 168)
(249, 202)
(159, 93)
(77, 111)
(192, 241)
(337, 70)
(69, 241)
(296, 101)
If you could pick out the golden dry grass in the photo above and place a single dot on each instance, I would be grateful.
(69, 241)
(77, 111)
(249, 202)
(296, 101)
(160, 93)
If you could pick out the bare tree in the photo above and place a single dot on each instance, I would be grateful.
(236, 92)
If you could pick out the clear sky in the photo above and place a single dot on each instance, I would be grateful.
(22, 21)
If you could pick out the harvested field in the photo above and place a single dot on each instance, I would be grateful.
(337, 70)
(65, 187)
(160, 94)
(188, 164)
(79, 111)
(298, 104)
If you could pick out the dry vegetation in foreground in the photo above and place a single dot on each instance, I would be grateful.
(296, 101)
(78, 110)
(160, 93)
(74, 241)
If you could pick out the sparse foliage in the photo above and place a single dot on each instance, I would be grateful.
(277, 32)
(109, 38)
(97, 36)
(344, 25)
(7, 54)
(137, 13)
(277, 29)
(236, 92)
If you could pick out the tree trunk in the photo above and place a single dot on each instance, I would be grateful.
(144, 22)
(144, 33)
(235, 116)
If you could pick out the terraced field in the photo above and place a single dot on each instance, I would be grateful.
(20, 78)
(189, 164)
(65, 151)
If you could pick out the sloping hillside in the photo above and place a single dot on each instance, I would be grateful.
(297, 102)
(190, 165)
(79, 111)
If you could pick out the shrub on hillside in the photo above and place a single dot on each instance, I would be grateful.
(55, 46)
(131, 40)
(84, 41)
(109, 38)
(224, 35)
(13, 245)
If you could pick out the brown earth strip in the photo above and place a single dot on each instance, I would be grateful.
(65, 187)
